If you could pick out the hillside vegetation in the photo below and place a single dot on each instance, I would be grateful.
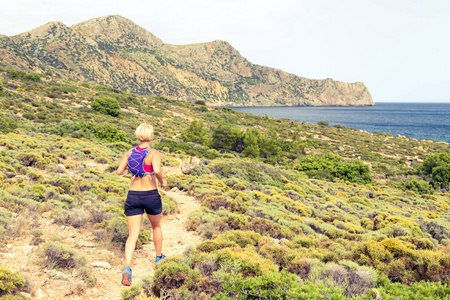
(288, 210)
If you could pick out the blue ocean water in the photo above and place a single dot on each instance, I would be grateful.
(416, 120)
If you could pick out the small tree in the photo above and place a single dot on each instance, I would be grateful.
(269, 149)
(195, 133)
(251, 139)
(440, 176)
(110, 133)
(227, 138)
(32, 76)
(417, 186)
(437, 166)
(200, 102)
(434, 160)
(106, 105)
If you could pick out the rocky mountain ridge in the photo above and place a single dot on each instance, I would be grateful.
(114, 51)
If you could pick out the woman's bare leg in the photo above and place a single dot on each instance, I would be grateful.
(155, 220)
(134, 227)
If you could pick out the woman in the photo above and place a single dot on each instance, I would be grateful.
(143, 196)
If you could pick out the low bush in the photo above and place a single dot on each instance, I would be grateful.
(7, 124)
(86, 275)
(74, 217)
(10, 284)
(416, 185)
(55, 256)
(169, 204)
(361, 200)
(37, 236)
(330, 166)
(196, 133)
(33, 159)
(419, 290)
(173, 274)
(106, 105)
(130, 293)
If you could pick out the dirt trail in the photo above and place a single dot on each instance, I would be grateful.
(19, 256)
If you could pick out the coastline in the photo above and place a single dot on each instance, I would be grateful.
(412, 119)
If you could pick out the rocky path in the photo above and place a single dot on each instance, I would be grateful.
(106, 265)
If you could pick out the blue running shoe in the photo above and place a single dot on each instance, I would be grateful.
(126, 276)
(159, 258)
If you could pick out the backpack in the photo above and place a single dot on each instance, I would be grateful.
(136, 163)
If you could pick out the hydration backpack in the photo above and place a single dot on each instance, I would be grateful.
(136, 163)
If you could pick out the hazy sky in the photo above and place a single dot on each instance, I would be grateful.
(399, 48)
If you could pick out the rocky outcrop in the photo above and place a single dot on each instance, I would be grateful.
(114, 51)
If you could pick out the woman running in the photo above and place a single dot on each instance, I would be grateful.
(143, 197)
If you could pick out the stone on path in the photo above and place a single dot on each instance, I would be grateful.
(39, 294)
(101, 264)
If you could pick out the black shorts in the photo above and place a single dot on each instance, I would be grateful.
(139, 201)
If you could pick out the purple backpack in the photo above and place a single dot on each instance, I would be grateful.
(136, 163)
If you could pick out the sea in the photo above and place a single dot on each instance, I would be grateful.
(415, 120)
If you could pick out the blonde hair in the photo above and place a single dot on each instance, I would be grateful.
(144, 132)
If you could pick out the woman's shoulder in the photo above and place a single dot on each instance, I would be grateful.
(154, 152)
(129, 152)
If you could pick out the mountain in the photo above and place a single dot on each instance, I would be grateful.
(114, 51)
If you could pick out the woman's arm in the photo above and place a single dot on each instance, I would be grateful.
(156, 163)
(122, 169)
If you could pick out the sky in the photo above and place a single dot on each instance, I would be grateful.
(400, 49)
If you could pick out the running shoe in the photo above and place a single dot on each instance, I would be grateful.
(126, 276)
(159, 258)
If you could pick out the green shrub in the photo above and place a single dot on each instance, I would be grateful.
(116, 230)
(227, 138)
(32, 76)
(130, 293)
(66, 183)
(187, 148)
(266, 227)
(416, 185)
(433, 161)
(361, 200)
(200, 169)
(15, 74)
(33, 159)
(10, 282)
(37, 236)
(169, 204)
(86, 275)
(268, 286)
(195, 133)
(419, 290)
(120, 146)
(7, 123)
(330, 166)
(109, 133)
(29, 116)
(7, 169)
(107, 106)
(438, 229)
(55, 256)
(440, 176)
(74, 217)
(437, 166)
(173, 274)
